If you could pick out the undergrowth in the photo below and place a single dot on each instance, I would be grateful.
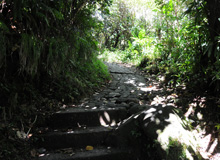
(24, 102)
(48, 58)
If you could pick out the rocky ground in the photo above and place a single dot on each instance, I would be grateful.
(127, 89)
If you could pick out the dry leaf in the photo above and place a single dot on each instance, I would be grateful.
(21, 135)
(89, 148)
(33, 152)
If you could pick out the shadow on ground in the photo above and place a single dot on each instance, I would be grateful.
(198, 106)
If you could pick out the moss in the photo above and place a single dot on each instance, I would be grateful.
(176, 150)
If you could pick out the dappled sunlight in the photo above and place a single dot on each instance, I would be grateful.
(149, 88)
(164, 100)
(158, 100)
(131, 81)
(193, 107)
(149, 113)
(44, 155)
(167, 124)
(51, 57)
(69, 132)
(161, 122)
(208, 146)
(208, 142)
(176, 131)
(105, 120)
(190, 110)
(159, 118)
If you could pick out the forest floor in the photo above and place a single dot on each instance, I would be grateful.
(200, 107)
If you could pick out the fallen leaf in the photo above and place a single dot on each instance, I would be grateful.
(89, 148)
(72, 154)
(21, 134)
(33, 152)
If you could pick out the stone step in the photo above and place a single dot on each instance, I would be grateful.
(95, 154)
(81, 117)
(77, 138)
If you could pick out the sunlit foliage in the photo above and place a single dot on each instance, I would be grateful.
(184, 35)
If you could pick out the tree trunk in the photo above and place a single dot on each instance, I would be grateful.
(117, 39)
(213, 15)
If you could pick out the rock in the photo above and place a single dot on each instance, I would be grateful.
(113, 94)
(133, 96)
(155, 119)
(137, 108)
(145, 97)
(134, 109)
(91, 104)
(123, 105)
(162, 125)
(131, 104)
(111, 105)
(123, 134)
(127, 100)
(41, 150)
(98, 104)
(113, 87)
(135, 100)
(120, 100)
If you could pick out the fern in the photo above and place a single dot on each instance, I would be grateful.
(4, 27)
(30, 52)
(2, 49)
(57, 55)
(17, 9)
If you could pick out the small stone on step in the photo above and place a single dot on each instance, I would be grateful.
(41, 150)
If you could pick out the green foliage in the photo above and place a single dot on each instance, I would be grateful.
(2, 49)
(184, 35)
(48, 41)
(139, 46)
(117, 24)
(183, 41)
(48, 51)
(48, 48)
(29, 53)
(176, 150)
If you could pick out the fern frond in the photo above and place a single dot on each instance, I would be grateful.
(30, 51)
(2, 49)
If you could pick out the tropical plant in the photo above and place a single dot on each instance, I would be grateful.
(47, 51)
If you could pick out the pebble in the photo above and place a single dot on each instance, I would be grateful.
(41, 150)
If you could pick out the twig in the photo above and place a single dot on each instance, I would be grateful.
(31, 126)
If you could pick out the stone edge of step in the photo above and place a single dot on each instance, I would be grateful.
(82, 110)
(84, 154)
(86, 130)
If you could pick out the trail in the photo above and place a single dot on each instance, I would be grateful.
(104, 126)
(86, 131)
(126, 89)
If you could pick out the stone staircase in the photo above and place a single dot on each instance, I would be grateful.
(95, 130)
(84, 134)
